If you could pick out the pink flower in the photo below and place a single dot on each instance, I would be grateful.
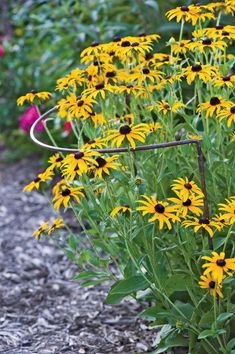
(67, 127)
(1, 51)
(27, 119)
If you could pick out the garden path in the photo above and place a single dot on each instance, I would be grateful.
(42, 311)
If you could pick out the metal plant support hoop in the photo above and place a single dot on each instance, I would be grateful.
(200, 156)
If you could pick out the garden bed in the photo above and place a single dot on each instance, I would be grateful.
(42, 309)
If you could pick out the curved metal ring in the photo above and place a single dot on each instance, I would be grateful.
(114, 150)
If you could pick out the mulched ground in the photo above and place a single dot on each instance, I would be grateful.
(42, 311)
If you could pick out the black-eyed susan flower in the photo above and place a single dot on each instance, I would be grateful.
(185, 187)
(95, 143)
(79, 161)
(210, 283)
(141, 74)
(220, 220)
(218, 265)
(122, 209)
(192, 204)
(153, 127)
(42, 177)
(207, 44)
(232, 136)
(202, 223)
(128, 46)
(56, 224)
(220, 32)
(165, 107)
(101, 88)
(229, 210)
(228, 113)
(194, 136)
(180, 47)
(66, 194)
(161, 211)
(191, 13)
(31, 96)
(55, 161)
(213, 107)
(80, 107)
(203, 72)
(43, 228)
(103, 165)
(128, 133)
(130, 89)
(224, 81)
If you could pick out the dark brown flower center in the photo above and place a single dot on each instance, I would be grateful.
(148, 56)
(166, 106)
(99, 86)
(78, 155)
(92, 141)
(146, 71)
(125, 44)
(66, 192)
(226, 78)
(94, 44)
(188, 202)
(166, 58)
(34, 92)
(225, 33)
(221, 262)
(111, 74)
(111, 53)
(182, 45)
(80, 103)
(206, 41)
(101, 162)
(204, 221)
(125, 129)
(219, 27)
(184, 8)
(232, 110)
(212, 284)
(59, 159)
(135, 44)
(117, 39)
(168, 77)
(129, 86)
(214, 101)
(37, 179)
(159, 208)
(196, 67)
(188, 186)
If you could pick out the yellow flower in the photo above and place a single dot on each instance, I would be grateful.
(185, 187)
(80, 107)
(232, 136)
(165, 107)
(43, 228)
(207, 43)
(74, 78)
(129, 89)
(42, 177)
(203, 72)
(94, 143)
(209, 282)
(57, 224)
(221, 221)
(129, 133)
(202, 223)
(160, 210)
(99, 89)
(128, 46)
(218, 264)
(103, 165)
(65, 194)
(229, 210)
(153, 127)
(55, 161)
(225, 81)
(30, 97)
(228, 113)
(180, 47)
(142, 74)
(213, 107)
(194, 137)
(120, 209)
(189, 13)
(192, 204)
(78, 163)
(221, 32)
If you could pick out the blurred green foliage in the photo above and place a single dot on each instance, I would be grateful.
(43, 39)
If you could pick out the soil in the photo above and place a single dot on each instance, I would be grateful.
(42, 310)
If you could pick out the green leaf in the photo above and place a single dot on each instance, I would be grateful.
(187, 309)
(206, 319)
(93, 282)
(231, 344)
(125, 287)
(178, 282)
(207, 333)
(73, 241)
(224, 316)
(89, 274)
